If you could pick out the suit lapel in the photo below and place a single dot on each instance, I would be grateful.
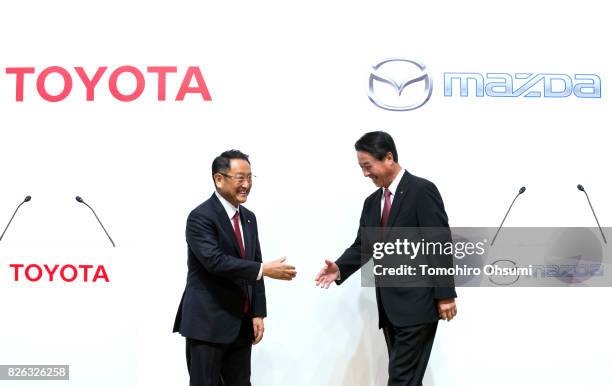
(373, 215)
(248, 234)
(398, 200)
(226, 225)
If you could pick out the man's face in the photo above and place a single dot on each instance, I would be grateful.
(380, 172)
(235, 184)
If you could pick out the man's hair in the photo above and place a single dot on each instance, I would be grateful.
(221, 164)
(377, 143)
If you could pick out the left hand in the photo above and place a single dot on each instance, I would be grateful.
(258, 329)
(447, 309)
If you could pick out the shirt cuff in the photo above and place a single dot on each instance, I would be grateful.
(260, 274)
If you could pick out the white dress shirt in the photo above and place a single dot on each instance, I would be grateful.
(231, 211)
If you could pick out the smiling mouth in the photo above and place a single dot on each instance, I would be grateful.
(375, 181)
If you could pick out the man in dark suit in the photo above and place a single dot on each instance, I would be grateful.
(222, 309)
(407, 315)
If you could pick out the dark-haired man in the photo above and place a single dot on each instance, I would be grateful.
(408, 316)
(222, 309)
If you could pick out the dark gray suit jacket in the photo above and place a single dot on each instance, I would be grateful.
(417, 203)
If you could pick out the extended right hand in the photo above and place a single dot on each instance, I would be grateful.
(328, 274)
(277, 269)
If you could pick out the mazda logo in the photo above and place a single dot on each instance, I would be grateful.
(402, 77)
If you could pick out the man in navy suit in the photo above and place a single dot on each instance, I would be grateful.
(408, 315)
(222, 309)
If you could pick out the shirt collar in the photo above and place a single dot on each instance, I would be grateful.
(229, 208)
(396, 181)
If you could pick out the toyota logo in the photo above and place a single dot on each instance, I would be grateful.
(404, 77)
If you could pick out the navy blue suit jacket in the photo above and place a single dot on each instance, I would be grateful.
(211, 308)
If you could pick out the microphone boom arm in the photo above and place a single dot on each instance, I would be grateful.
(79, 199)
(13, 216)
(521, 191)
(594, 215)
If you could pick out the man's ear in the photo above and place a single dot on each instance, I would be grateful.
(217, 178)
(389, 157)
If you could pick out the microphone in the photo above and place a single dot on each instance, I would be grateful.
(79, 199)
(581, 188)
(27, 199)
(521, 191)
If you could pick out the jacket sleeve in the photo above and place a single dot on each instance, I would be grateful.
(259, 290)
(351, 260)
(431, 214)
(202, 238)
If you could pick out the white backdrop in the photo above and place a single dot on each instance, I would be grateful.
(289, 87)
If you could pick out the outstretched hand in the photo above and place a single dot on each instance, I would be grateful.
(279, 270)
(328, 274)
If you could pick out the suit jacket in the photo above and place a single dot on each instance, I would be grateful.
(211, 308)
(417, 203)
